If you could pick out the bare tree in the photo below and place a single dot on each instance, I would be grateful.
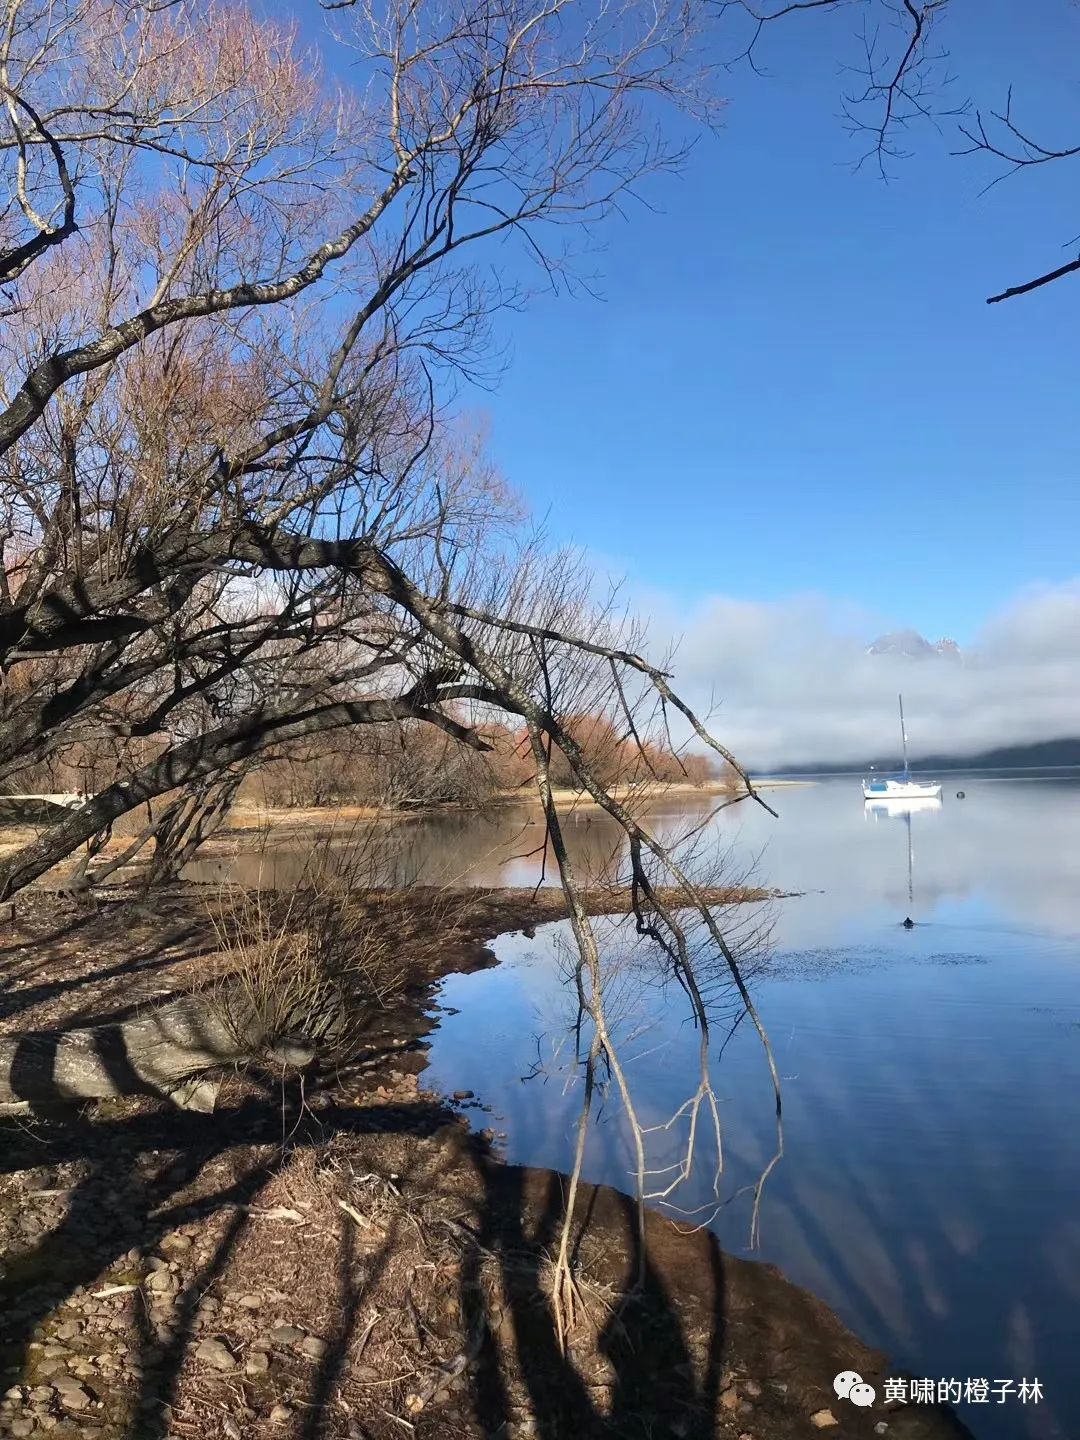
(211, 480)
(898, 76)
(235, 517)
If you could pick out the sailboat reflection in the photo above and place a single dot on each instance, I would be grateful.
(903, 810)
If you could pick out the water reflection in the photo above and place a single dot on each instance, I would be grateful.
(903, 810)
(1010, 843)
(933, 1159)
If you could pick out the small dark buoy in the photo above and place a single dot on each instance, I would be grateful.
(909, 923)
(959, 794)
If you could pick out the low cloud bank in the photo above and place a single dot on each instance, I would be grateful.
(794, 683)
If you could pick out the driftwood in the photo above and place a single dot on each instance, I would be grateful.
(165, 1051)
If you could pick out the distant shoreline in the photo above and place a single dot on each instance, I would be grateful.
(1001, 772)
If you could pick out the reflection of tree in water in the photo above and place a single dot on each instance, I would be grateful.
(501, 845)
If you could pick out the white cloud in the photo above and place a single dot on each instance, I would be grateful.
(794, 682)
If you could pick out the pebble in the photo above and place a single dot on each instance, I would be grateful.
(752, 1389)
(215, 1354)
(250, 1302)
(68, 1331)
(175, 1244)
(257, 1363)
(280, 1415)
(286, 1335)
(881, 1427)
(21, 1427)
(313, 1347)
(730, 1398)
(822, 1419)
(41, 1395)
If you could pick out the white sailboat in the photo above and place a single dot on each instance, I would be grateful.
(900, 787)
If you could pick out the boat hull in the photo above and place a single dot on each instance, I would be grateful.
(901, 790)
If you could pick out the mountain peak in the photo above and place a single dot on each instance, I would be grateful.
(910, 645)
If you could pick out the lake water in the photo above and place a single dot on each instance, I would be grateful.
(930, 1190)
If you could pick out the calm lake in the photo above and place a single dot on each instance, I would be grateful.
(930, 1190)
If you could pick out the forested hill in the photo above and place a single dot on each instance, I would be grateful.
(1050, 753)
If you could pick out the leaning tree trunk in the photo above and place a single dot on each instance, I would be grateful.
(165, 1051)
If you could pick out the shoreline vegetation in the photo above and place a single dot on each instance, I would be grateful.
(22, 818)
(343, 1251)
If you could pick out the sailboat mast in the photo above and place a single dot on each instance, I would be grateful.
(903, 735)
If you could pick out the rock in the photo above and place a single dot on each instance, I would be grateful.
(280, 1415)
(257, 1363)
(21, 1427)
(215, 1354)
(154, 1263)
(752, 1389)
(73, 1394)
(14, 1394)
(162, 1281)
(48, 1368)
(881, 1427)
(250, 1302)
(176, 1244)
(822, 1419)
(463, 1094)
(41, 1395)
(730, 1398)
(313, 1347)
(286, 1335)
(68, 1331)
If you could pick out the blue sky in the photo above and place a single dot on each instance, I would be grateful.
(792, 383)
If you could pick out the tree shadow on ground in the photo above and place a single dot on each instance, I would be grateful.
(133, 1191)
(646, 1377)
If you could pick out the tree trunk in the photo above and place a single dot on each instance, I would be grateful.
(155, 1053)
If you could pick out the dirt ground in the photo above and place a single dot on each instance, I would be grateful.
(342, 1257)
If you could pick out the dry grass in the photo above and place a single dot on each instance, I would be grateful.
(308, 969)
